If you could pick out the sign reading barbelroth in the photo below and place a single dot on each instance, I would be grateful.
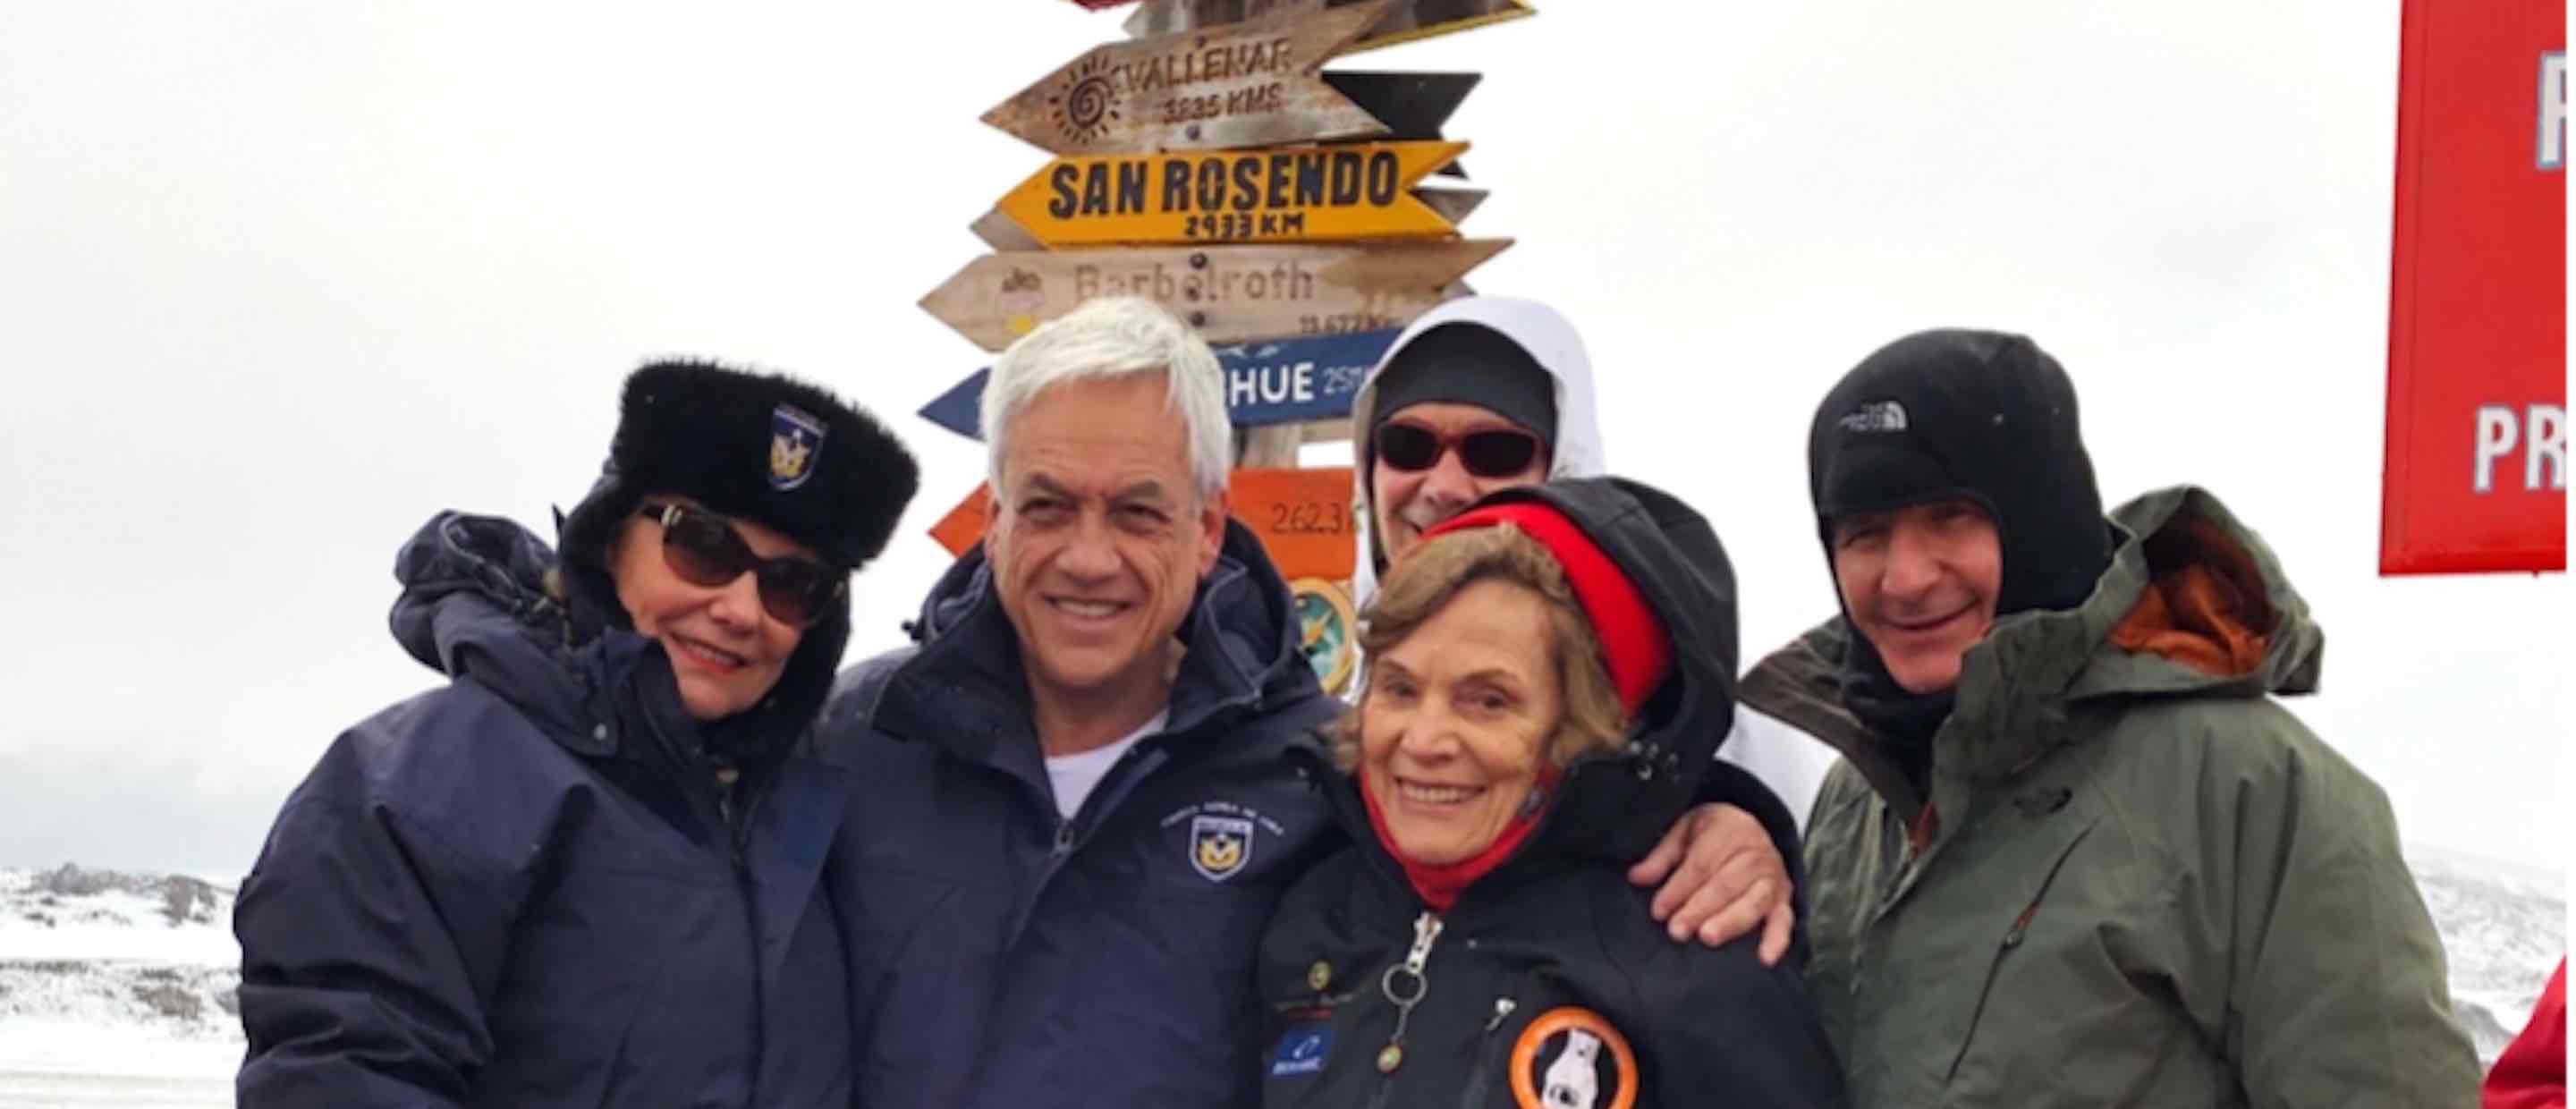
(1290, 194)
(2476, 476)
(1246, 84)
(1229, 293)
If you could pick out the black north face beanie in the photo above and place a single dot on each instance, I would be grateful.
(1982, 416)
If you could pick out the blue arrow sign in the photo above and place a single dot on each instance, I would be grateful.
(1267, 381)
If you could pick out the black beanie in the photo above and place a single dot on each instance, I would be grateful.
(762, 447)
(1469, 363)
(1980, 416)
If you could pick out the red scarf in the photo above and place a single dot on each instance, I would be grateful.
(1440, 884)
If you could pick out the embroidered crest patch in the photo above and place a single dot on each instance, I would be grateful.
(1219, 845)
(795, 445)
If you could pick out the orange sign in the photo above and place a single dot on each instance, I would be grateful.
(1303, 518)
(1291, 194)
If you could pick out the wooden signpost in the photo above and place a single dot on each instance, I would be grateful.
(1228, 293)
(1210, 164)
(1303, 518)
(1285, 194)
(1246, 84)
(1411, 19)
(1267, 382)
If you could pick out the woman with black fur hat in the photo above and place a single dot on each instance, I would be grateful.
(583, 871)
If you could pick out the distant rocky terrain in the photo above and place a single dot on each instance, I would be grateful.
(102, 969)
(119, 951)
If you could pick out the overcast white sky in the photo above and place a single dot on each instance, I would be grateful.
(280, 280)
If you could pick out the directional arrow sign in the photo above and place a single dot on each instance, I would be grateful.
(1413, 106)
(1303, 518)
(1229, 293)
(1294, 194)
(1002, 233)
(1272, 381)
(1452, 204)
(1247, 84)
(1412, 19)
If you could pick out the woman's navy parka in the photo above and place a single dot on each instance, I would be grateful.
(1548, 982)
(527, 888)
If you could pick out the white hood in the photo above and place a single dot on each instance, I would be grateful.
(1789, 761)
(1550, 341)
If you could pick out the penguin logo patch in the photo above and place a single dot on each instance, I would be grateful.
(1878, 417)
(1571, 1058)
(1219, 845)
(795, 445)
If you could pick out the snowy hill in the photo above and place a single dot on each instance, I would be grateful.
(2503, 930)
(120, 989)
(116, 989)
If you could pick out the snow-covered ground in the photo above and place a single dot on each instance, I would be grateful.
(120, 989)
(116, 989)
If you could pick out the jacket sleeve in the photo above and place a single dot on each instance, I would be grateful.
(1720, 1029)
(369, 950)
(2336, 981)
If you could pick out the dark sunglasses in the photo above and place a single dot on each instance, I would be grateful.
(704, 550)
(1488, 453)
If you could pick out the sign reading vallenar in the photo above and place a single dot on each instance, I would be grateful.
(1298, 193)
(1248, 84)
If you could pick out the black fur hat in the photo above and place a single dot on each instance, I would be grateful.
(762, 447)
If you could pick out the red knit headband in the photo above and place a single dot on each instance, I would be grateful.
(1633, 641)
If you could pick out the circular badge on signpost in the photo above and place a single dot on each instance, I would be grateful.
(1571, 1058)
(1327, 632)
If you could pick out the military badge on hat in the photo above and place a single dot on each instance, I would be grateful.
(795, 445)
(1219, 845)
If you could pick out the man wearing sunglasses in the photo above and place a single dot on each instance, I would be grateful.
(1484, 394)
(1071, 808)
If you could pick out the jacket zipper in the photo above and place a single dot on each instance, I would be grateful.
(1483, 1077)
(737, 824)
(1404, 986)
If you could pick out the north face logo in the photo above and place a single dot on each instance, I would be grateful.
(1874, 418)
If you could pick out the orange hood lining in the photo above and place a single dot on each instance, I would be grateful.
(2205, 605)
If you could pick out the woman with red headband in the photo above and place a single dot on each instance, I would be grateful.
(1548, 676)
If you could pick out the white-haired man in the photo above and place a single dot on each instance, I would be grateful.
(1072, 818)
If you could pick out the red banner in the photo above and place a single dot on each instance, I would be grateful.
(2476, 476)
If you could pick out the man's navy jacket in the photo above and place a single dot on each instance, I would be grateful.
(1002, 956)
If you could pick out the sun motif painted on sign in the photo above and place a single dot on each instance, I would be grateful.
(1089, 102)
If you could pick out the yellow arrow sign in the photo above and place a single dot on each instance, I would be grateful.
(1296, 194)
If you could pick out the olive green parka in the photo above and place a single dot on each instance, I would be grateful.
(2135, 881)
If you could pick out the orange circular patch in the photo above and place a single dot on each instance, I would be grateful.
(1576, 1075)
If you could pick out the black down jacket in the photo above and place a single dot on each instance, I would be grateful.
(1548, 984)
(525, 888)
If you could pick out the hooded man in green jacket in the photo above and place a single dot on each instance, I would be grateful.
(2076, 853)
